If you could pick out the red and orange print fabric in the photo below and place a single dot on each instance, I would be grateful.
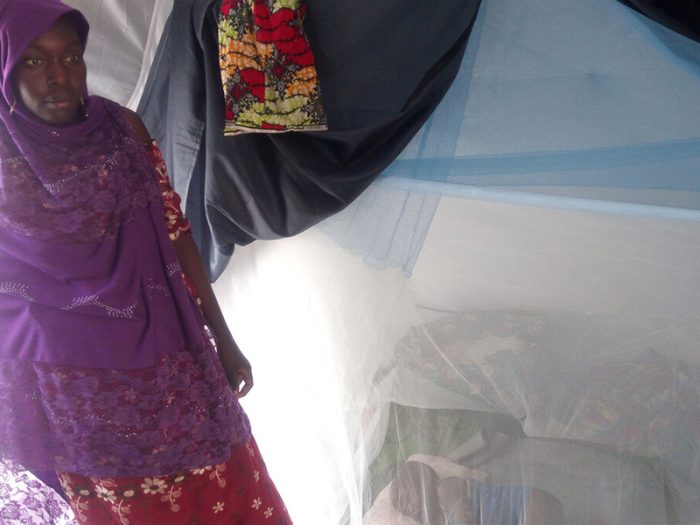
(238, 492)
(268, 70)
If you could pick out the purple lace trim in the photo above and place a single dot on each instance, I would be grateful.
(75, 192)
(25, 500)
(178, 414)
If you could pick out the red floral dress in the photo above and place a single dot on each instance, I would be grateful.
(238, 491)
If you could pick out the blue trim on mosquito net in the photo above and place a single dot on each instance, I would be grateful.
(552, 99)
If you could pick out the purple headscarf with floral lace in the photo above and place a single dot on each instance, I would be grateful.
(106, 367)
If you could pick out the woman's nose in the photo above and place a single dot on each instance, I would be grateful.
(56, 73)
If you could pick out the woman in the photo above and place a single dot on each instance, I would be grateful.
(110, 380)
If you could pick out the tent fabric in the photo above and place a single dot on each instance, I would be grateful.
(527, 267)
(382, 75)
(123, 40)
(541, 323)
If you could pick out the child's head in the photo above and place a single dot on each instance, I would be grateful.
(414, 493)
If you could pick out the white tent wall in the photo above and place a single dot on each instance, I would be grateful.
(337, 342)
(123, 39)
(543, 335)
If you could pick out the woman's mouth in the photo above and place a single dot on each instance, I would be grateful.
(62, 103)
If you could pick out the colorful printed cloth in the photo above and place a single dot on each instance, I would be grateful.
(239, 491)
(268, 70)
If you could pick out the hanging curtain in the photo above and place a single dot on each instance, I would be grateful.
(384, 67)
(528, 265)
(605, 121)
(682, 16)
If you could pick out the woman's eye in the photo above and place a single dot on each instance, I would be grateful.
(33, 61)
(74, 59)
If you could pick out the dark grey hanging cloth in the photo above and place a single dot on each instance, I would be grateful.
(682, 16)
(383, 65)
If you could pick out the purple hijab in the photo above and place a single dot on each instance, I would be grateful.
(23, 21)
(106, 367)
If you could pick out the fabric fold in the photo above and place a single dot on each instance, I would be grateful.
(383, 75)
(681, 16)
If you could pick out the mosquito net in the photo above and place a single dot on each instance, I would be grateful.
(506, 322)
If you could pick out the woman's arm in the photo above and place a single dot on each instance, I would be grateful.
(236, 366)
(137, 125)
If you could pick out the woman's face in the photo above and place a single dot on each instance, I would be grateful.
(49, 78)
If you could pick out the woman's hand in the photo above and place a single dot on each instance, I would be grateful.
(237, 368)
(235, 364)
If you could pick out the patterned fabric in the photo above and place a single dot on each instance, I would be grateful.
(99, 186)
(484, 357)
(238, 491)
(125, 422)
(66, 407)
(175, 220)
(645, 403)
(267, 68)
(24, 500)
(189, 384)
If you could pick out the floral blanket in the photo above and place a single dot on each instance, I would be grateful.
(640, 401)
